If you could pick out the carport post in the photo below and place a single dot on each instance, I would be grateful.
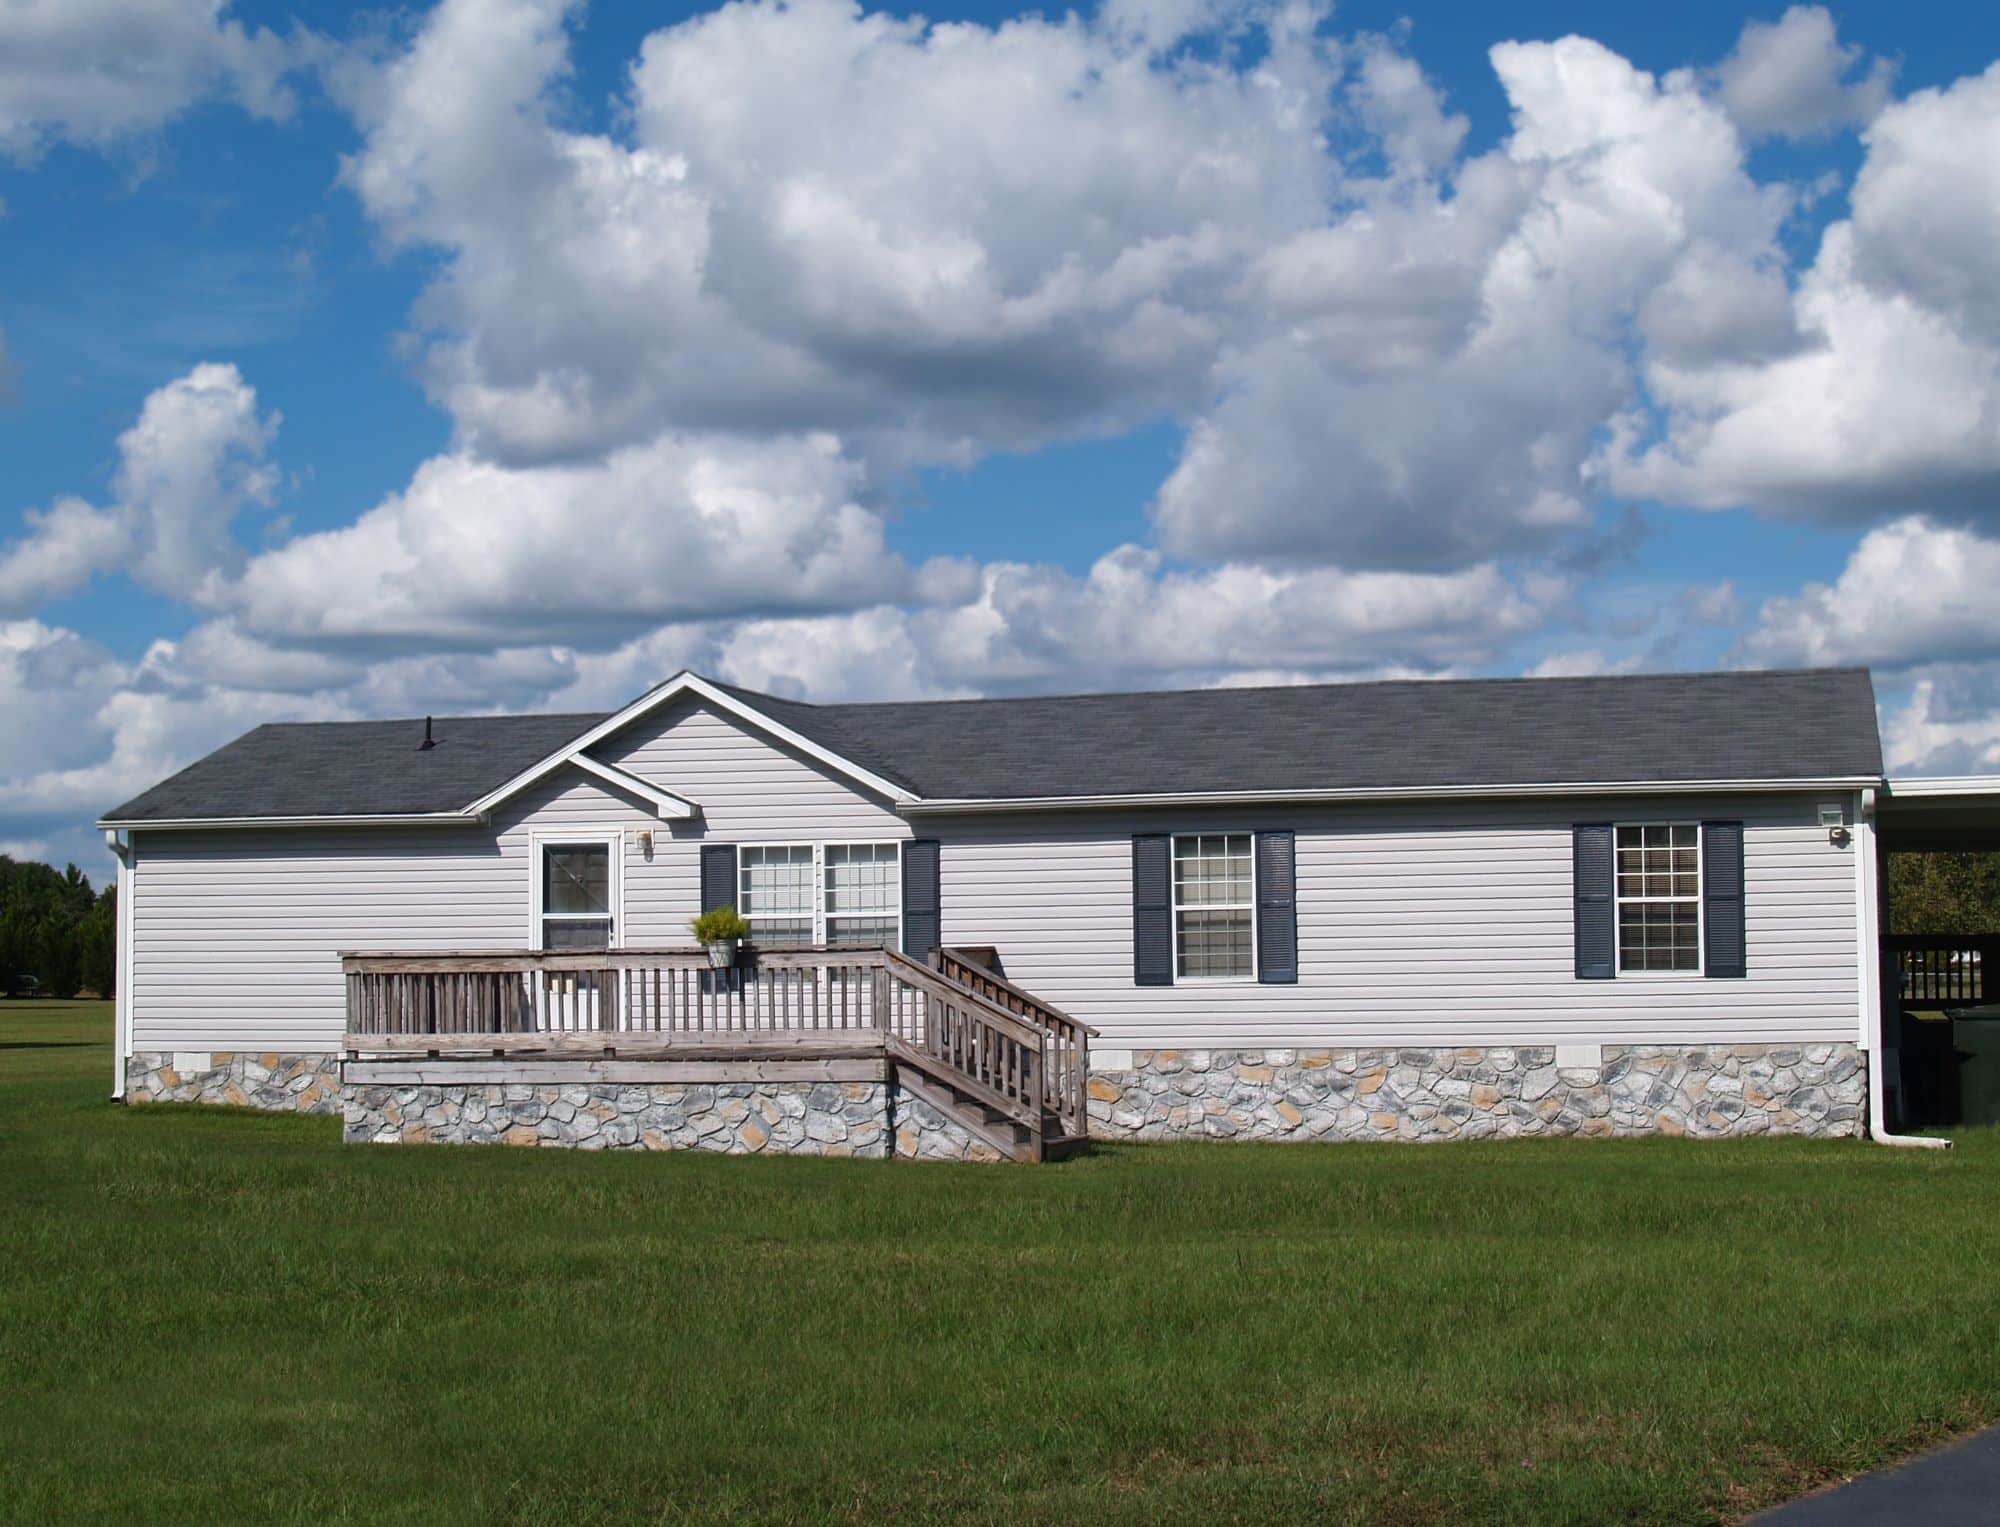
(1868, 882)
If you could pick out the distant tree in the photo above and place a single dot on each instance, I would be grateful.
(58, 955)
(98, 952)
(54, 927)
(1945, 895)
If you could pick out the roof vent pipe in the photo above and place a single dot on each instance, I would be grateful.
(429, 741)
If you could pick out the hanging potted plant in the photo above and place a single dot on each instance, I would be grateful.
(720, 930)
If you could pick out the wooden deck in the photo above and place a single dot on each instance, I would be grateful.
(1003, 1064)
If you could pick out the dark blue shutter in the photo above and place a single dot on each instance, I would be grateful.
(1277, 910)
(1722, 899)
(1596, 928)
(922, 931)
(718, 876)
(1152, 910)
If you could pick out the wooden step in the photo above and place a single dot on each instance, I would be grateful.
(984, 1124)
(1059, 1147)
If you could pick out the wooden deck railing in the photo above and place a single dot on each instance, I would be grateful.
(1940, 972)
(1066, 1050)
(478, 1003)
(664, 992)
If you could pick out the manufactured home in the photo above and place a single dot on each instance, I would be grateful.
(1404, 910)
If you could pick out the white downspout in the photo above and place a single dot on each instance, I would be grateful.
(1868, 905)
(121, 966)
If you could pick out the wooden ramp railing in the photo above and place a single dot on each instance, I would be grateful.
(1924, 971)
(984, 1054)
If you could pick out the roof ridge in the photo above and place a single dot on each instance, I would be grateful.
(490, 715)
(1522, 679)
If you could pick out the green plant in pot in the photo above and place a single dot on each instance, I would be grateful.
(720, 930)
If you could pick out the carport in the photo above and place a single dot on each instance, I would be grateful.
(1936, 1069)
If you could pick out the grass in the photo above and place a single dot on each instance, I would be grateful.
(216, 1314)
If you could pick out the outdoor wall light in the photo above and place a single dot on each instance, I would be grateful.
(646, 842)
(1834, 820)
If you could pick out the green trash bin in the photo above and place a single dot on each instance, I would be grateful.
(1975, 1034)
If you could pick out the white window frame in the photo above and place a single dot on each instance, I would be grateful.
(752, 918)
(1174, 906)
(1619, 900)
(822, 918)
(819, 912)
(612, 839)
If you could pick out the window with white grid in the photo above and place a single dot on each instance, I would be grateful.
(1659, 896)
(1215, 908)
(843, 895)
(775, 894)
(863, 894)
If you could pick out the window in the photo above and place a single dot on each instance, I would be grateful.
(776, 895)
(1659, 896)
(841, 895)
(576, 896)
(863, 886)
(1214, 907)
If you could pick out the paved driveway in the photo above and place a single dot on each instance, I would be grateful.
(1959, 1485)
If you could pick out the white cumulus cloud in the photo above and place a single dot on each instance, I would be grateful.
(94, 72)
(1796, 78)
(193, 461)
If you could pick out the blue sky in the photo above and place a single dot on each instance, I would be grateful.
(513, 354)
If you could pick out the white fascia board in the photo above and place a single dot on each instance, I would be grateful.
(664, 802)
(680, 684)
(1388, 793)
(404, 819)
(1943, 786)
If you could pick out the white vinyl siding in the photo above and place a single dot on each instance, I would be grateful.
(1418, 924)
(237, 932)
(1444, 924)
(750, 790)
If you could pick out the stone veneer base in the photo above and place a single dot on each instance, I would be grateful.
(244, 1078)
(1482, 1093)
(741, 1118)
(1273, 1094)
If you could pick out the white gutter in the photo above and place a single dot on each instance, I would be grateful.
(1382, 793)
(403, 819)
(1867, 887)
(1943, 786)
(121, 1027)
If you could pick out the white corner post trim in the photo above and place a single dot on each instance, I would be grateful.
(1868, 972)
(121, 969)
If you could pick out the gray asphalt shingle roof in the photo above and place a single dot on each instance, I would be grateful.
(1416, 735)
(354, 768)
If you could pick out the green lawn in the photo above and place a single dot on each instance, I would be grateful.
(212, 1314)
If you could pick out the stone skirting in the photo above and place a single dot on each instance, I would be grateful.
(244, 1078)
(1485, 1093)
(741, 1118)
(1350, 1094)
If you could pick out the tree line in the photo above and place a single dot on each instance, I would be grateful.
(54, 927)
(1944, 895)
